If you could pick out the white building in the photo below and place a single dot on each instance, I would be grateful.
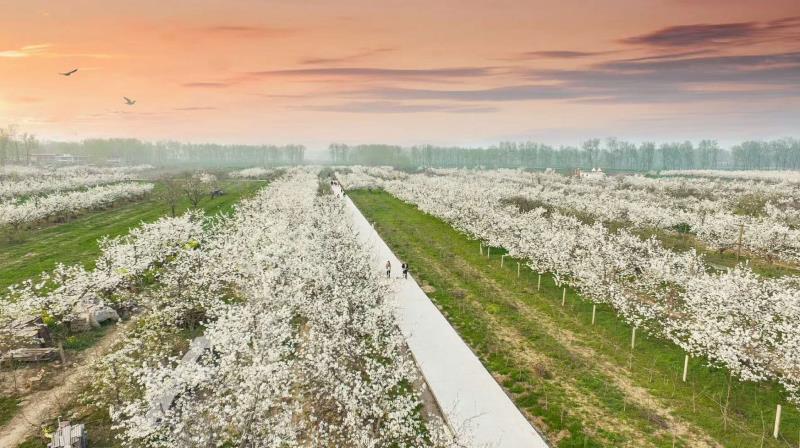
(595, 173)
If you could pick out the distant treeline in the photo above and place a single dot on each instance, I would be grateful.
(612, 154)
(24, 148)
(170, 153)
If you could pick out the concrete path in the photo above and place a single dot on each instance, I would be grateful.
(471, 400)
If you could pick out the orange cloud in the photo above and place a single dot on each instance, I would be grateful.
(25, 52)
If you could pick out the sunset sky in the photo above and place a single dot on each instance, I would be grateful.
(406, 72)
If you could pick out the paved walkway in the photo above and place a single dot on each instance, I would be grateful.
(470, 398)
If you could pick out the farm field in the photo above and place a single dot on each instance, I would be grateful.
(360, 224)
(579, 383)
(584, 314)
(39, 249)
(586, 233)
(186, 281)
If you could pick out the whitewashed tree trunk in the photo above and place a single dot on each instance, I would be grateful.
(685, 367)
(777, 428)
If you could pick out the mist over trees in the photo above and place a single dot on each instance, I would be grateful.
(22, 148)
(609, 154)
(171, 153)
(16, 147)
(612, 153)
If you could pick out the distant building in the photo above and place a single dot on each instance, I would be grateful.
(70, 159)
(595, 173)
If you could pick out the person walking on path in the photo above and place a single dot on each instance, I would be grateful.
(388, 269)
(405, 270)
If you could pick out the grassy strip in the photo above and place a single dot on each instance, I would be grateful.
(682, 242)
(8, 407)
(76, 241)
(564, 373)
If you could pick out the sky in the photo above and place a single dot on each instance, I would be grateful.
(460, 72)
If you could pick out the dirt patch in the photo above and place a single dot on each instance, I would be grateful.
(39, 406)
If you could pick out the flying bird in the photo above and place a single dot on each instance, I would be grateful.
(129, 101)
(69, 72)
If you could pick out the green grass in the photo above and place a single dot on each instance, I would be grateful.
(81, 341)
(76, 241)
(558, 368)
(35, 442)
(684, 242)
(8, 407)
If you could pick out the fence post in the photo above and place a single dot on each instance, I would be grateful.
(480, 247)
(777, 422)
(502, 260)
(633, 338)
(564, 296)
(518, 269)
(488, 251)
(685, 367)
(594, 311)
(539, 283)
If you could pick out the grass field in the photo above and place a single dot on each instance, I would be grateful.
(8, 407)
(680, 243)
(76, 241)
(581, 384)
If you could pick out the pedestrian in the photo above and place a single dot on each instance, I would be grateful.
(405, 270)
(388, 269)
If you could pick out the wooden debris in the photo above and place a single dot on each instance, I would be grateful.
(30, 354)
(29, 332)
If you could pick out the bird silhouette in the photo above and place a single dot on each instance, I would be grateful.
(129, 101)
(69, 72)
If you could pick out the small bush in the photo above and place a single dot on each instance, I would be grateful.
(682, 228)
(751, 205)
(524, 204)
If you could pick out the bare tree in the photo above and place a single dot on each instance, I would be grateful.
(6, 139)
(29, 142)
(172, 193)
(194, 189)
